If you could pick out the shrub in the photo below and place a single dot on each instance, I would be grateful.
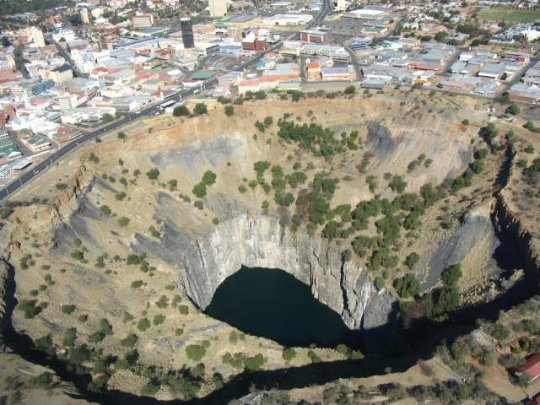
(183, 309)
(68, 309)
(512, 109)
(451, 275)
(314, 357)
(407, 286)
(209, 178)
(96, 337)
(143, 324)
(397, 184)
(195, 352)
(152, 174)
(229, 110)
(43, 380)
(288, 353)
(159, 319)
(412, 259)
(77, 255)
(199, 190)
(181, 111)
(254, 362)
(150, 388)
(200, 108)
(69, 336)
(123, 221)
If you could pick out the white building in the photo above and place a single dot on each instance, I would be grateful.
(85, 16)
(37, 37)
(217, 8)
(341, 5)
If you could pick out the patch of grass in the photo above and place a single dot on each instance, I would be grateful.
(509, 15)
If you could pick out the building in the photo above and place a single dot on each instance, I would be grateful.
(316, 35)
(287, 19)
(218, 8)
(530, 369)
(187, 32)
(524, 93)
(37, 37)
(85, 16)
(341, 5)
(142, 20)
(61, 74)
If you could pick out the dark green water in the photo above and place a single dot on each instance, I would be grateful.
(273, 304)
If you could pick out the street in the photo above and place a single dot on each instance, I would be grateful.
(56, 156)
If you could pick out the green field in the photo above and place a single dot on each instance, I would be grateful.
(509, 15)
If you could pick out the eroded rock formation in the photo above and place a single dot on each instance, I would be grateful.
(260, 241)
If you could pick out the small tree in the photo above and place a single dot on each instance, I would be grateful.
(350, 90)
(288, 353)
(152, 174)
(229, 110)
(107, 118)
(122, 135)
(512, 109)
(200, 108)
(412, 259)
(195, 352)
(181, 111)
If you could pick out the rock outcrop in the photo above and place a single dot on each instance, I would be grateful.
(260, 241)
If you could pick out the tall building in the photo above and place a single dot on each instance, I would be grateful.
(85, 16)
(218, 8)
(187, 32)
(37, 37)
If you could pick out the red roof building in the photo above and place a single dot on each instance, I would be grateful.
(531, 368)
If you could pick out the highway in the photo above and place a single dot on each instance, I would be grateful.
(151, 110)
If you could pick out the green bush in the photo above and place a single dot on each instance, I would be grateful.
(412, 259)
(209, 178)
(105, 210)
(181, 111)
(195, 352)
(229, 110)
(200, 108)
(199, 190)
(407, 286)
(159, 319)
(288, 353)
(143, 324)
(152, 174)
(68, 309)
(69, 337)
(451, 275)
(123, 221)
(96, 337)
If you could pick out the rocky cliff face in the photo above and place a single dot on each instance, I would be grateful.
(260, 241)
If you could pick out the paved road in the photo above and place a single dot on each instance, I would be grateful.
(56, 156)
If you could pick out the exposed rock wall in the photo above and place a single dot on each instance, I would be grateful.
(261, 241)
(506, 220)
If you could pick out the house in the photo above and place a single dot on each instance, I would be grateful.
(492, 70)
(524, 93)
(530, 369)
